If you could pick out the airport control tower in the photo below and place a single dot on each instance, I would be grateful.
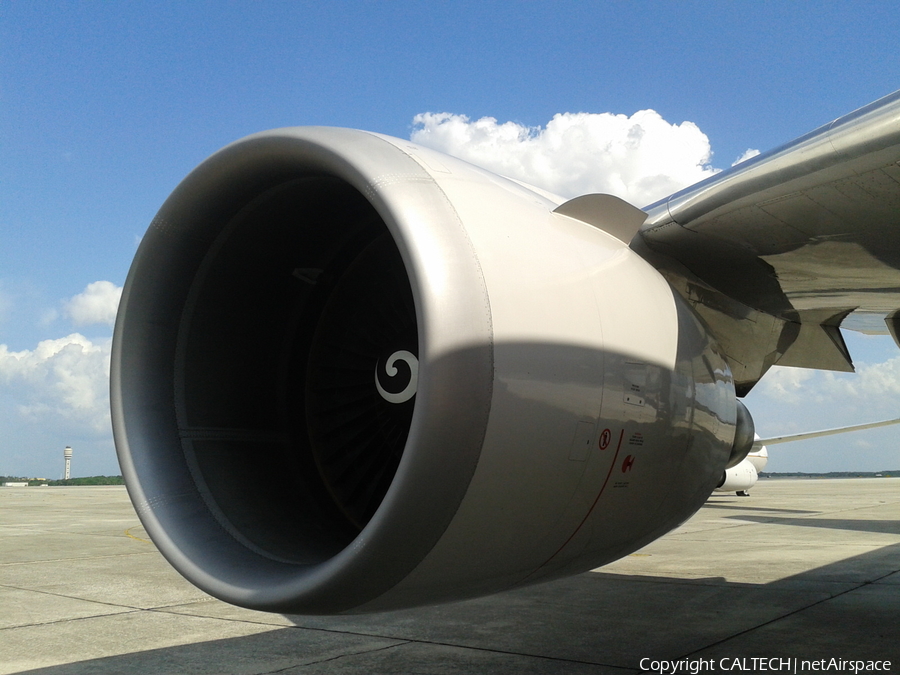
(67, 453)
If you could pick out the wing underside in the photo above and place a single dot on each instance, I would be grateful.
(779, 252)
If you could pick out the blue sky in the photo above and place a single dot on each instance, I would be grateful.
(104, 107)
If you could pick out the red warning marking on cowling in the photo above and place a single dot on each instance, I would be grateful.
(627, 464)
(605, 438)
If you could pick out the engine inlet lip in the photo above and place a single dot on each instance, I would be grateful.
(447, 431)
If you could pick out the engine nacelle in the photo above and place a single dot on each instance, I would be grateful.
(745, 474)
(353, 374)
(739, 478)
(744, 437)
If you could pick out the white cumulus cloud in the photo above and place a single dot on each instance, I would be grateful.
(97, 303)
(641, 158)
(881, 380)
(870, 385)
(67, 377)
(786, 384)
(749, 153)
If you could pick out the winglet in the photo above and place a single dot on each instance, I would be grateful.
(605, 212)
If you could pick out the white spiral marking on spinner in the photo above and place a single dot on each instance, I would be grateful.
(410, 390)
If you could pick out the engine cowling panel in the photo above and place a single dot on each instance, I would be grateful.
(352, 374)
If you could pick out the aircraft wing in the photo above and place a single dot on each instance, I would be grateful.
(780, 251)
(762, 442)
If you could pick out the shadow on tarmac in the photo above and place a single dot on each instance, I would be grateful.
(883, 526)
(713, 505)
(593, 623)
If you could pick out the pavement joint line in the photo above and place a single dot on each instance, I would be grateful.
(66, 620)
(788, 614)
(387, 637)
(334, 658)
(99, 535)
(505, 652)
(167, 609)
(75, 597)
(76, 558)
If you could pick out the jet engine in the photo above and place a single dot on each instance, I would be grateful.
(351, 374)
(745, 474)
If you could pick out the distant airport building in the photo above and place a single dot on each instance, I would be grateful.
(15, 484)
(67, 453)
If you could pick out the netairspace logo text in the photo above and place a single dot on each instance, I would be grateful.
(761, 664)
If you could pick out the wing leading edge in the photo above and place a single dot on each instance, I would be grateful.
(780, 251)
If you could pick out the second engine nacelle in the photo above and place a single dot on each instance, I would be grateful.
(352, 374)
(744, 475)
